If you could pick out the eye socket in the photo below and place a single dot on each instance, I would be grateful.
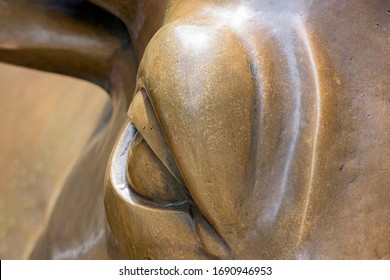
(151, 169)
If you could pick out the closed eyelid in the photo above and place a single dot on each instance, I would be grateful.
(148, 177)
(144, 119)
(143, 217)
(118, 179)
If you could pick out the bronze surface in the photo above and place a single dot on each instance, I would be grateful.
(40, 142)
(258, 129)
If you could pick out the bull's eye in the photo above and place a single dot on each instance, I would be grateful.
(151, 170)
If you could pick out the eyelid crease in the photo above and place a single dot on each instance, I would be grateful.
(141, 114)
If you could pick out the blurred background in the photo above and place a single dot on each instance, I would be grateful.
(45, 122)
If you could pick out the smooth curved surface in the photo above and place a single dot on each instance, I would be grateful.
(269, 120)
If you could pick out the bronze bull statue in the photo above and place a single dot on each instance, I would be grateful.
(257, 129)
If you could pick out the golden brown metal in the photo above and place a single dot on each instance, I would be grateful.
(40, 142)
(258, 129)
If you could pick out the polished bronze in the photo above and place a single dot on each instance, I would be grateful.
(257, 129)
